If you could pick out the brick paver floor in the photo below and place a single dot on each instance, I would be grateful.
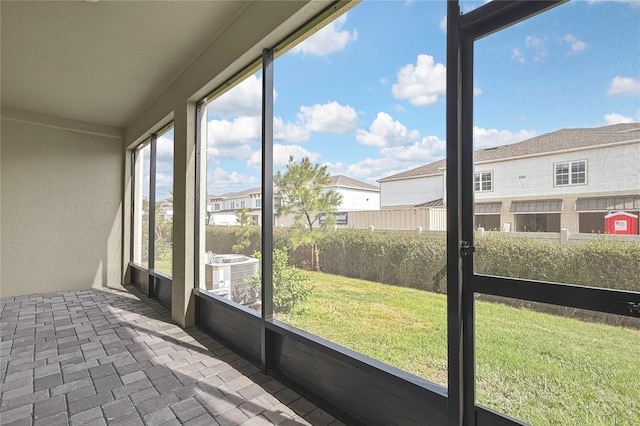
(108, 356)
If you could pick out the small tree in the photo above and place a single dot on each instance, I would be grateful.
(243, 232)
(302, 192)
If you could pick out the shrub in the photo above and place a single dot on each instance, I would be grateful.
(290, 286)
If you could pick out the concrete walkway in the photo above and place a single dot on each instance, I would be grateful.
(98, 357)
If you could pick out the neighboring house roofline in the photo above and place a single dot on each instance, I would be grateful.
(238, 194)
(560, 141)
(337, 181)
(398, 177)
(341, 181)
(565, 151)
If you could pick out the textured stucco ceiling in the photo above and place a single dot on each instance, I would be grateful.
(101, 62)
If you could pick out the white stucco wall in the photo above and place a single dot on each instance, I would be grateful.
(61, 222)
(608, 169)
(410, 192)
(354, 199)
(249, 203)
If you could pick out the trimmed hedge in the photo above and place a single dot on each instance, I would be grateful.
(419, 260)
(609, 263)
(406, 260)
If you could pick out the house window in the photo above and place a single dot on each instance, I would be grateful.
(216, 206)
(233, 205)
(258, 203)
(242, 204)
(571, 173)
(483, 181)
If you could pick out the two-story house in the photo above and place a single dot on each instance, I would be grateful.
(570, 178)
(222, 208)
(356, 195)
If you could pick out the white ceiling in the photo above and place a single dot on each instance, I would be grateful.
(101, 62)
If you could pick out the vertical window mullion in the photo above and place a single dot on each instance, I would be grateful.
(267, 347)
(134, 205)
(466, 210)
(152, 202)
(198, 195)
(455, 398)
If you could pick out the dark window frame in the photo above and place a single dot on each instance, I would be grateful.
(158, 284)
(462, 283)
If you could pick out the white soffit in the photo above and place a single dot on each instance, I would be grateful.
(101, 62)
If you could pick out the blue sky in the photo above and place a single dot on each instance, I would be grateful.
(365, 95)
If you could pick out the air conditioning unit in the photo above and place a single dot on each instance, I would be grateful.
(226, 274)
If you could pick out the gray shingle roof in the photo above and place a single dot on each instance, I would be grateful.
(244, 193)
(559, 140)
(345, 181)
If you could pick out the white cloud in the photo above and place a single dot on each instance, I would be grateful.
(624, 86)
(536, 47)
(289, 132)
(369, 169)
(243, 99)
(164, 146)
(576, 45)
(241, 129)
(385, 132)
(164, 183)
(423, 83)
(164, 179)
(443, 24)
(477, 91)
(164, 167)
(329, 39)
(320, 118)
(220, 181)
(428, 150)
(384, 81)
(234, 152)
(372, 169)
(396, 159)
(517, 55)
(393, 159)
(330, 117)
(488, 138)
(631, 3)
(281, 154)
(617, 119)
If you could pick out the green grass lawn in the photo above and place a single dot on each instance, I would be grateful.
(164, 265)
(541, 368)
